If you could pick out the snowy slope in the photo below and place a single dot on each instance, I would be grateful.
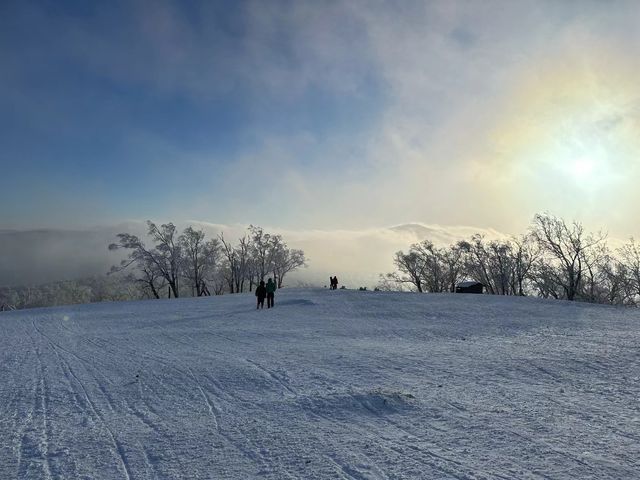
(329, 384)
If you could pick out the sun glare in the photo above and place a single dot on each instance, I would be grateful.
(583, 169)
(586, 173)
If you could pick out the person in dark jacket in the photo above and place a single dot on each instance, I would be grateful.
(271, 291)
(261, 292)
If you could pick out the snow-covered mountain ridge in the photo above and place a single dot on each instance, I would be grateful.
(329, 384)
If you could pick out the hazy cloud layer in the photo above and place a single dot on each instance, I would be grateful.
(41, 256)
(499, 110)
(491, 113)
(341, 116)
(357, 257)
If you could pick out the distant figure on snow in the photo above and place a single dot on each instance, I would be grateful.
(261, 292)
(334, 283)
(271, 291)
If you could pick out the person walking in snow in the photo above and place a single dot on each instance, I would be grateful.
(335, 283)
(261, 292)
(271, 292)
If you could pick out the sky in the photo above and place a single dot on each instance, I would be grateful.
(319, 116)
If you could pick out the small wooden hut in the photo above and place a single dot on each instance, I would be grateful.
(470, 287)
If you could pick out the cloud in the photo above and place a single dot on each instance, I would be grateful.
(205, 49)
(448, 73)
(337, 116)
(471, 129)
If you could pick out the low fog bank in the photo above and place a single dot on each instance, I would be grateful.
(41, 256)
(33, 257)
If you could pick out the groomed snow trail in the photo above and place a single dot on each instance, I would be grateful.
(329, 384)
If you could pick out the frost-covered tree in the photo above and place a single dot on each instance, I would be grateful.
(92, 289)
(112, 288)
(431, 267)
(388, 282)
(200, 259)
(613, 282)
(629, 255)
(453, 262)
(237, 263)
(210, 271)
(150, 279)
(567, 247)
(229, 271)
(193, 247)
(163, 260)
(286, 260)
(594, 261)
(410, 267)
(257, 255)
(263, 248)
(525, 254)
(426, 268)
(243, 255)
(216, 265)
(488, 263)
(553, 260)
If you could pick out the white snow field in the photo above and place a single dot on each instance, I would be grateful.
(329, 384)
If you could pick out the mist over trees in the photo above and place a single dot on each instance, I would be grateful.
(553, 259)
(171, 264)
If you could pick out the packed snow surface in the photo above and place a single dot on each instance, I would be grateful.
(328, 384)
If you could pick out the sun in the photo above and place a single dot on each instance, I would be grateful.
(585, 172)
(583, 169)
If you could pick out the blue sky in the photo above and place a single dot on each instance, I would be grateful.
(132, 109)
(327, 115)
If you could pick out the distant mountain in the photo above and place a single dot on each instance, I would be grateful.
(416, 229)
(443, 235)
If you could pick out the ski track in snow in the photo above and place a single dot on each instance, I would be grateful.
(329, 384)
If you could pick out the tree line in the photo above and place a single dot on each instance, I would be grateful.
(553, 259)
(178, 264)
(100, 288)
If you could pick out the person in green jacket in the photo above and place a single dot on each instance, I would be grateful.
(271, 290)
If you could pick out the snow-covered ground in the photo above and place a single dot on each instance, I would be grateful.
(329, 384)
